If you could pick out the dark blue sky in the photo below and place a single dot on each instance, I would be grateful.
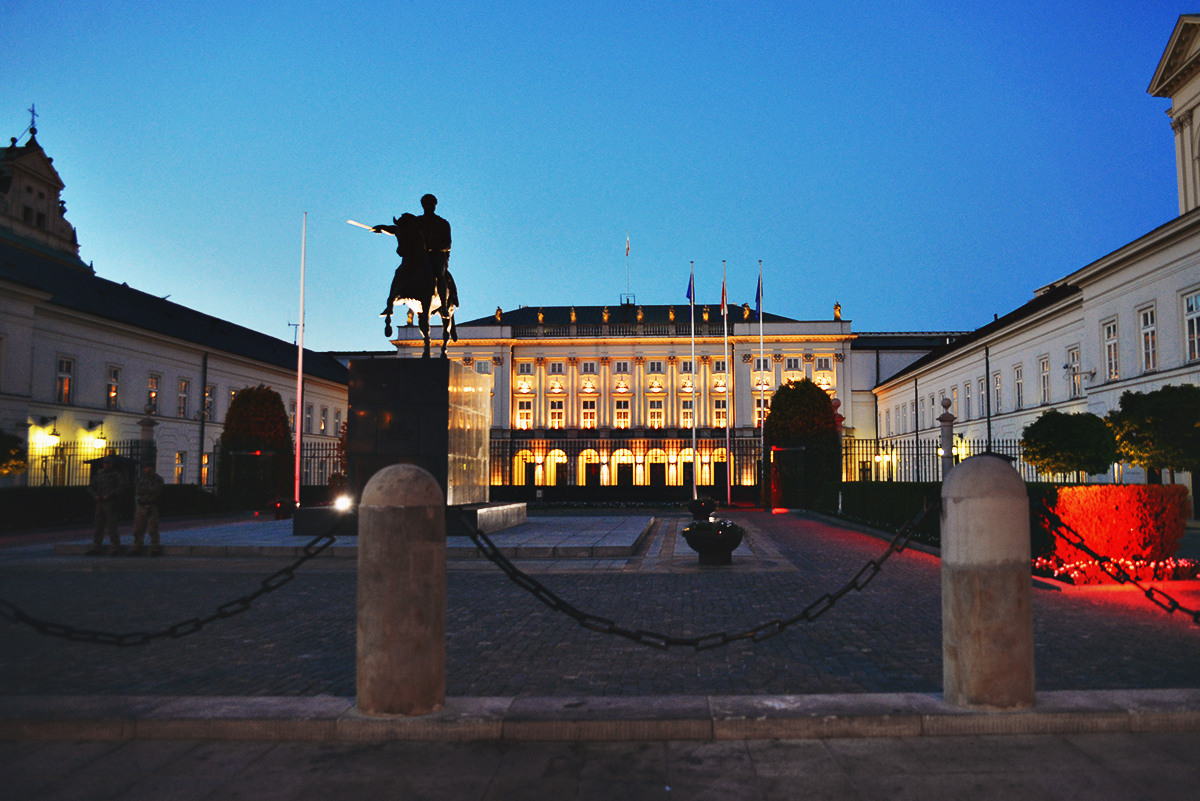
(925, 164)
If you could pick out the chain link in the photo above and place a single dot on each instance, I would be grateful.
(704, 642)
(1060, 529)
(182, 629)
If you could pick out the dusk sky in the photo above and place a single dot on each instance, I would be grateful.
(924, 164)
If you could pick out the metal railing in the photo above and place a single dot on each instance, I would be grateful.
(66, 464)
(903, 458)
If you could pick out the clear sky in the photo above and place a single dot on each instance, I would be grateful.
(927, 164)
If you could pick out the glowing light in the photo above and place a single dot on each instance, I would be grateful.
(778, 510)
(342, 503)
(98, 442)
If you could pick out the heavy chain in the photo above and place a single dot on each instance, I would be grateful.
(181, 629)
(705, 642)
(1113, 568)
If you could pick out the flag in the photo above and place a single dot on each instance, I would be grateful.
(758, 300)
(724, 300)
(691, 294)
(626, 245)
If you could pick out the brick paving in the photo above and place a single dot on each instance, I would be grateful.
(300, 640)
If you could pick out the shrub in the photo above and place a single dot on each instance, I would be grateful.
(256, 461)
(802, 416)
(1058, 443)
(1159, 430)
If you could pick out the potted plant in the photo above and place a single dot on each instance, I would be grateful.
(714, 540)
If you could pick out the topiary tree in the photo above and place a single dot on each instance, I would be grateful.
(1069, 443)
(802, 416)
(1159, 430)
(255, 462)
(14, 458)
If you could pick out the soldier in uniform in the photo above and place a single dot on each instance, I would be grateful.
(106, 484)
(148, 488)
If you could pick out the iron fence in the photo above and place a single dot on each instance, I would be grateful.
(319, 461)
(67, 464)
(906, 459)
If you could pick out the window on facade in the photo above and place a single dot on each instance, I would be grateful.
(152, 394)
(587, 368)
(483, 366)
(896, 416)
(954, 401)
(324, 420)
(983, 397)
(204, 482)
(657, 416)
(1191, 325)
(719, 416)
(823, 365)
(997, 396)
(1112, 353)
(181, 405)
(524, 414)
(525, 368)
(556, 368)
(718, 365)
(967, 401)
(685, 367)
(792, 363)
(292, 416)
(1019, 387)
(587, 418)
(180, 467)
(1044, 380)
(112, 389)
(620, 367)
(762, 364)
(922, 408)
(686, 411)
(308, 418)
(621, 414)
(887, 416)
(337, 422)
(1149, 340)
(654, 367)
(762, 407)
(1073, 370)
(210, 402)
(557, 414)
(64, 385)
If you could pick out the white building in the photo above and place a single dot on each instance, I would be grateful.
(81, 357)
(1129, 321)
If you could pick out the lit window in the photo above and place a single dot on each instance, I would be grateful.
(1044, 380)
(657, 415)
(588, 416)
(112, 391)
(152, 394)
(1149, 340)
(181, 406)
(292, 416)
(1191, 318)
(1019, 387)
(621, 414)
(954, 401)
(686, 409)
(525, 368)
(180, 467)
(204, 482)
(1112, 353)
(324, 420)
(65, 385)
(761, 407)
(210, 400)
(525, 414)
(719, 413)
(557, 414)
(1073, 369)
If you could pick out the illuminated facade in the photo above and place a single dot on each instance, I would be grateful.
(606, 395)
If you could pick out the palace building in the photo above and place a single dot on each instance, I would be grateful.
(588, 396)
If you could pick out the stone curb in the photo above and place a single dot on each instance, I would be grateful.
(751, 717)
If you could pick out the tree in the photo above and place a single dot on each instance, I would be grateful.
(1069, 443)
(802, 416)
(256, 462)
(1159, 430)
(14, 459)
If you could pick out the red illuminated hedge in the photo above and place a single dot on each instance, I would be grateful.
(1123, 521)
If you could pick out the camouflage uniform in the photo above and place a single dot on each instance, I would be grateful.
(148, 488)
(106, 483)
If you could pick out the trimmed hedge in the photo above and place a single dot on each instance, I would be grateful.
(41, 507)
(1123, 521)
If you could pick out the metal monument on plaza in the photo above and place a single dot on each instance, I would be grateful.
(422, 281)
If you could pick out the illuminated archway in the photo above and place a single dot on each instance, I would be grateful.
(520, 462)
(585, 475)
(555, 468)
(622, 467)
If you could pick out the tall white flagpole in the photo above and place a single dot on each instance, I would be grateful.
(695, 408)
(728, 392)
(300, 360)
(762, 387)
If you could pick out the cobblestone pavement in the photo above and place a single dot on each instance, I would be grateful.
(300, 640)
(1099, 767)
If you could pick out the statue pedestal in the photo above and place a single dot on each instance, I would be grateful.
(434, 413)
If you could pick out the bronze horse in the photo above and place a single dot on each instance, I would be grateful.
(417, 284)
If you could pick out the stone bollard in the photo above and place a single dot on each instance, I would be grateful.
(401, 593)
(987, 595)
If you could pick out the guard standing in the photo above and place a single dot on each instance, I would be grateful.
(106, 484)
(149, 487)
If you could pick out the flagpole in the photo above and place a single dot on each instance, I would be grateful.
(695, 410)
(728, 392)
(762, 386)
(300, 360)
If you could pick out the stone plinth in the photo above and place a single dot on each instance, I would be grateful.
(434, 413)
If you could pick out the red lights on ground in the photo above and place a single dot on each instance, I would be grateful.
(779, 510)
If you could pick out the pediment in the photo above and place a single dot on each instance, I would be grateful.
(1180, 60)
(37, 164)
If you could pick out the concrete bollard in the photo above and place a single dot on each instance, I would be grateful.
(987, 595)
(401, 593)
